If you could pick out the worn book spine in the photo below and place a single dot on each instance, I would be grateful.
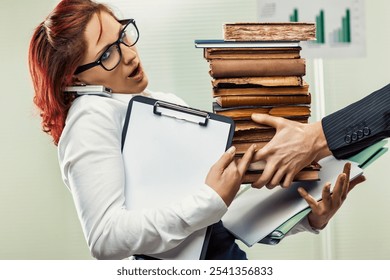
(245, 125)
(259, 166)
(257, 81)
(256, 31)
(261, 90)
(234, 68)
(262, 100)
(253, 136)
(304, 175)
(251, 53)
(241, 148)
(245, 113)
(249, 125)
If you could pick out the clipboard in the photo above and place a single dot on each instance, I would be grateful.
(167, 151)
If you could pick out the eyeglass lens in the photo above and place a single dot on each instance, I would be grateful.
(112, 56)
(130, 35)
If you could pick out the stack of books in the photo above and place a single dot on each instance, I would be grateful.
(258, 68)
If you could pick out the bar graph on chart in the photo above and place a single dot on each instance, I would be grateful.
(343, 33)
(294, 16)
(340, 30)
(320, 27)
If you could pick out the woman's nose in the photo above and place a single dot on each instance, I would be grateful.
(128, 53)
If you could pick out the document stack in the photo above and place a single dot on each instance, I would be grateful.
(258, 68)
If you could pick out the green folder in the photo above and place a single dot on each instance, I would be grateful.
(278, 234)
(370, 154)
(363, 159)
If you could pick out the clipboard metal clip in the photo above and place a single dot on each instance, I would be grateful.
(182, 109)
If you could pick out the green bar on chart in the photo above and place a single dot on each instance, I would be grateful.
(348, 26)
(320, 28)
(294, 16)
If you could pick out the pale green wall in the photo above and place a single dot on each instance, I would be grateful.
(37, 217)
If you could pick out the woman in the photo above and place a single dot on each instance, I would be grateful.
(83, 42)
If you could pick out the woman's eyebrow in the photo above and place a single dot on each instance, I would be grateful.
(104, 48)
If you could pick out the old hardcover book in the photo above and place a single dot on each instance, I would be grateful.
(254, 135)
(303, 175)
(233, 68)
(262, 100)
(249, 125)
(261, 90)
(257, 81)
(245, 112)
(251, 53)
(259, 166)
(241, 148)
(269, 31)
(245, 125)
(219, 43)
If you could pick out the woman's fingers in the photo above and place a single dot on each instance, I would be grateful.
(226, 158)
(246, 160)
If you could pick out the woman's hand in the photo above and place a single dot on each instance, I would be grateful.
(322, 211)
(294, 146)
(225, 176)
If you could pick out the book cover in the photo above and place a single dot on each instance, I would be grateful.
(262, 100)
(245, 112)
(248, 125)
(261, 90)
(241, 148)
(219, 43)
(251, 53)
(303, 175)
(254, 135)
(257, 81)
(269, 31)
(233, 68)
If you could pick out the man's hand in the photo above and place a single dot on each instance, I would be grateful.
(322, 211)
(294, 146)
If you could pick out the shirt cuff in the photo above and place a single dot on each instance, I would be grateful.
(204, 208)
(303, 226)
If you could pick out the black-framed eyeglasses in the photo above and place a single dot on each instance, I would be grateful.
(112, 56)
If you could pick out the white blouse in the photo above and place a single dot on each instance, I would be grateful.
(90, 159)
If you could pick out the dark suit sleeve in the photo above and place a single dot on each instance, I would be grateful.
(359, 125)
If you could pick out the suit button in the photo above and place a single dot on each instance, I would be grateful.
(366, 131)
(360, 134)
(354, 136)
(348, 139)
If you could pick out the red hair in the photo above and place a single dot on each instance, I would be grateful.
(56, 49)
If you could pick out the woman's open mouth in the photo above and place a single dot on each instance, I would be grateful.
(135, 72)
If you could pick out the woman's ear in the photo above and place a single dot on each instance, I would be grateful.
(76, 81)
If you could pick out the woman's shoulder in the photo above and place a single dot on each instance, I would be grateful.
(95, 103)
(168, 97)
(97, 109)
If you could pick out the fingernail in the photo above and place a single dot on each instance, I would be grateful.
(231, 150)
(254, 147)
